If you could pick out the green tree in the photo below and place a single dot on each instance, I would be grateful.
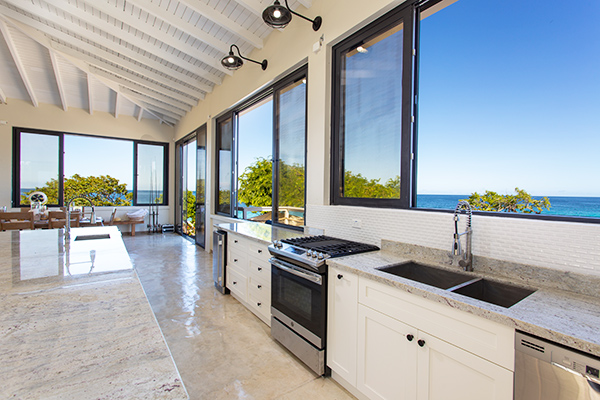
(189, 226)
(356, 185)
(255, 184)
(102, 190)
(521, 202)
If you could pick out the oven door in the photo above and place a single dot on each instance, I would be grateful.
(298, 299)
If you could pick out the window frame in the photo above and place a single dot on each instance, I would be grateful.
(16, 161)
(232, 113)
(405, 13)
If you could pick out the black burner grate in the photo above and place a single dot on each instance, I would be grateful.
(331, 246)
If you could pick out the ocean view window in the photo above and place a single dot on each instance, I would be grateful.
(504, 107)
(370, 119)
(261, 155)
(64, 165)
(469, 106)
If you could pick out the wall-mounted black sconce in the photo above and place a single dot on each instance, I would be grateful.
(278, 16)
(234, 62)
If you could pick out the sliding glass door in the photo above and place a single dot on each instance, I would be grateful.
(186, 218)
(201, 186)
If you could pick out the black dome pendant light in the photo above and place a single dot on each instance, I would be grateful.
(278, 16)
(234, 62)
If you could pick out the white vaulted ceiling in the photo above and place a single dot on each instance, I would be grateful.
(143, 58)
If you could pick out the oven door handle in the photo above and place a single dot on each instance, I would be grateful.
(292, 269)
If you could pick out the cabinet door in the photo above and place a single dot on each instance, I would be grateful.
(342, 325)
(387, 352)
(448, 372)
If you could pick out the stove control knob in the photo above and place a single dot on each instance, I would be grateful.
(309, 253)
(278, 244)
(320, 256)
(314, 254)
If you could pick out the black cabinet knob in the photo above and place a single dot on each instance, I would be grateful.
(234, 282)
(340, 276)
(260, 268)
(235, 260)
(421, 342)
(235, 241)
(259, 304)
(259, 286)
(409, 337)
(260, 251)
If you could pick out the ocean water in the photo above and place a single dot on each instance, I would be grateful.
(560, 205)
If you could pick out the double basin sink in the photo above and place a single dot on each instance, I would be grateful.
(500, 294)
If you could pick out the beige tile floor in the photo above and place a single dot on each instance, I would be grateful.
(221, 349)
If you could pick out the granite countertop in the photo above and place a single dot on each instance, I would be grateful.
(75, 322)
(560, 316)
(260, 232)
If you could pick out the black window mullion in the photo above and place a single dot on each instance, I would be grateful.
(407, 109)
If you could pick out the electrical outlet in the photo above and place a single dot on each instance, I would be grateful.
(356, 223)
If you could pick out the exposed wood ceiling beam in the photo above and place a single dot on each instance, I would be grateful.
(117, 101)
(18, 62)
(120, 15)
(224, 22)
(59, 83)
(2, 96)
(47, 43)
(153, 102)
(90, 95)
(64, 50)
(140, 112)
(254, 6)
(95, 38)
(160, 108)
(187, 27)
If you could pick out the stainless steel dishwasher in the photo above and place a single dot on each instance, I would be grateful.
(547, 371)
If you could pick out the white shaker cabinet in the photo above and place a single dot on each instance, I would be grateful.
(407, 347)
(248, 275)
(342, 303)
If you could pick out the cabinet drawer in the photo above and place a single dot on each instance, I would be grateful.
(260, 269)
(237, 283)
(237, 243)
(485, 338)
(237, 260)
(260, 307)
(259, 289)
(259, 250)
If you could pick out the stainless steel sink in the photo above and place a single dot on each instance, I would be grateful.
(500, 294)
(93, 237)
(432, 276)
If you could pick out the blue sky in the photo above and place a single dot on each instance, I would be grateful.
(510, 96)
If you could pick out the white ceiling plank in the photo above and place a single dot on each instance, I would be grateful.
(151, 102)
(156, 91)
(59, 82)
(107, 27)
(119, 15)
(44, 41)
(183, 25)
(254, 6)
(224, 22)
(18, 63)
(2, 96)
(305, 3)
(36, 35)
(117, 100)
(90, 95)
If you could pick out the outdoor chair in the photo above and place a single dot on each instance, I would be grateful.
(16, 220)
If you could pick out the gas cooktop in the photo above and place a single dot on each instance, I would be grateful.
(333, 247)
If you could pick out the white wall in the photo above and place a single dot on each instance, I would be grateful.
(50, 117)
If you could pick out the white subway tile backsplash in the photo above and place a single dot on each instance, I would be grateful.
(571, 247)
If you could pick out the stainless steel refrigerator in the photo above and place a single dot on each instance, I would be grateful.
(219, 259)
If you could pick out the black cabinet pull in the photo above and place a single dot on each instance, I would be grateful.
(421, 342)
(234, 282)
(260, 268)
(409, 337)
(235, 260)
(235, 241)
(340, 276)
(259, 286)
(260, 251)
(259, 304)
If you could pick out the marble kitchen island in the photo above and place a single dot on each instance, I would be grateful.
(75, 322)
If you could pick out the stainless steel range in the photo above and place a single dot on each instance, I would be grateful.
(299, 293)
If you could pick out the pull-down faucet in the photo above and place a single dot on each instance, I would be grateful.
(466, 261)
(68, 222)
